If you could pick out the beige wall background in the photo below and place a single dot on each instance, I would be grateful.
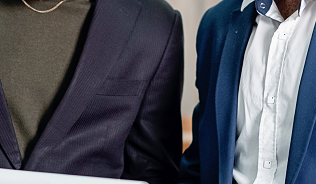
(192, 12)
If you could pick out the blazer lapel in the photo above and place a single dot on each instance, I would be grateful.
(305, 114)
(227, 87)
(110, 28)
(8, 140)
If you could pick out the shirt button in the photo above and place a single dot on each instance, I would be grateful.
(282, 36)
(262, 5)
(267, 164)
(271, 99)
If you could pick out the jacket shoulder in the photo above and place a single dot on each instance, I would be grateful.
(223, 9)
(219, 15)
(158, 11)
(156, 22)
(211, 37)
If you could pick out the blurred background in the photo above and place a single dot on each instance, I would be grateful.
(192, 12)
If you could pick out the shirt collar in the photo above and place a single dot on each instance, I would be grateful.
(263, 6)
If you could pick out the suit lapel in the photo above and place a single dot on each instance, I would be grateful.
(227, 87)
(304, 118)
(8, 140)
(110, 28)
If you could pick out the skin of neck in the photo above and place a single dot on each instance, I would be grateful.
(287, 7)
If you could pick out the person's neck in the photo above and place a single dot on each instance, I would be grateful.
(287, 7)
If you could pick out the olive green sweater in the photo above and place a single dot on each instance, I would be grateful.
(38, 53)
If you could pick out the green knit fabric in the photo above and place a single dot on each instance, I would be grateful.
(36, 51)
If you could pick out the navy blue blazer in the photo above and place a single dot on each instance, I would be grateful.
(120, 116)
(221, 43)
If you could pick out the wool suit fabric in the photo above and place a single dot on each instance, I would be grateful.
(120, 115)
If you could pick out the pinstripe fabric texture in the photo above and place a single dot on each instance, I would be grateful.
(120, 116)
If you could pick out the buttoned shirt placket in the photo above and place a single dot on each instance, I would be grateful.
(272, 69)
(267, 158)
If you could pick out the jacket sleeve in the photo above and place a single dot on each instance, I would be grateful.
(190, 163)
(154, 146)
(190, 172)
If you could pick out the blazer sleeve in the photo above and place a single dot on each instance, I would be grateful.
(190, 166)
(190, 163)
(154, 146)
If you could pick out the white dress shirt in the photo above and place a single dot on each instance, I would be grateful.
(271, 73)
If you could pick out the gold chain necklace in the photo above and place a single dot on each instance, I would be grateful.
(44, 11)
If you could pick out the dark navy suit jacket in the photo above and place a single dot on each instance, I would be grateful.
(221, 43)
(120, 116)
